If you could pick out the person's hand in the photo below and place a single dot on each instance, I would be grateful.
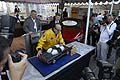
(16, 70)
(39, 53)
(61, 44)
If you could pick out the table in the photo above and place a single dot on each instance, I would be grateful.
(70, 71)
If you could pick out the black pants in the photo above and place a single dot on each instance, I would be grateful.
(93, 38)
(117, 73)
(17, 17)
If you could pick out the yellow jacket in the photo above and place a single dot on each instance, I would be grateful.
(49, 39)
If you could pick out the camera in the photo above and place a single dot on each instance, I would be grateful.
(112, 42)
(104, 20)
(95, 26)
(16, 57)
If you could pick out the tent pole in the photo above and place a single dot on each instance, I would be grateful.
(111, 6)
(87, 25)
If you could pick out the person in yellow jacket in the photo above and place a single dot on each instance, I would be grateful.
(50, 38)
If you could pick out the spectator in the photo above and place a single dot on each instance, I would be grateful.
(106, 33)
(65, 13)
(16, 12)
(117, 73)
(32, 23)
(56, 19)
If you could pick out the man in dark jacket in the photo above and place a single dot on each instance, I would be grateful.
(118, 37)
(112, 42)
(56, 19)
(117, 73)
(32, 23)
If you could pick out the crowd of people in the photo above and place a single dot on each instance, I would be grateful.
(101, 30)
(104, 34)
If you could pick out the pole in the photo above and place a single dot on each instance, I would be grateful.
(111, 7)
(87, 25)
